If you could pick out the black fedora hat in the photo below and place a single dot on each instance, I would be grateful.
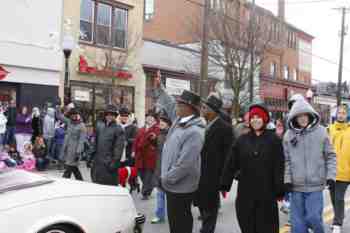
(124, 111)
(191, 99)
(214, 103)
(111, 109)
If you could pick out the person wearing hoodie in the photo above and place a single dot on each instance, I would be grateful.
(310, 166)
(340, 133)
(181, 162)
(3, 123)
(49, 131)
(23, 132)
(37, 124)
(260, 183)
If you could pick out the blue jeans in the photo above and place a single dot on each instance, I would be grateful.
(57, 151)
(160, 211)
(9, 135)
(307, 212)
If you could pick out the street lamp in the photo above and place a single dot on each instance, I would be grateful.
(67, 47)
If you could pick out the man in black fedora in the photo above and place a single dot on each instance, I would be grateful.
(180, 168)
(218, 143)
(110, 141)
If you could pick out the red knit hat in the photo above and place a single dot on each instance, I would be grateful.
(260, 112)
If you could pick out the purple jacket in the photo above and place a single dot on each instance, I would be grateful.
(24, 124)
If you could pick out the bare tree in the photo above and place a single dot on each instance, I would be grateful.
(232, 39)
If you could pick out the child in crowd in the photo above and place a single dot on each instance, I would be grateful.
(27, 158)
(14, 154)
(39, 152)
(5, 160)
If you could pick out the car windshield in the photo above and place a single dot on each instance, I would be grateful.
(18, 179)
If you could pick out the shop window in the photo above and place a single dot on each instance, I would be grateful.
(111, 24)
(123, 96)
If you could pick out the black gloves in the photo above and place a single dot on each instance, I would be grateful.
(288, 187)
(331, 184)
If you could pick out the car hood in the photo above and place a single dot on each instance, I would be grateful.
(56, 189)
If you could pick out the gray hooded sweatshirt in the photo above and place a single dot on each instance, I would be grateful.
(181, 157)
(49, 124)
(309, 156)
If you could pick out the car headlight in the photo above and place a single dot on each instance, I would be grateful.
(140, 220)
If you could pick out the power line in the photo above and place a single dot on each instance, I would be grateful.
(304, 51)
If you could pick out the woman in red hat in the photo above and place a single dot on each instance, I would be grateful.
(258, 157)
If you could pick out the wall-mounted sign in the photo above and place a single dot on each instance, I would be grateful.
(83, 96)
(3, 73)
(84, 68)
(177, 86)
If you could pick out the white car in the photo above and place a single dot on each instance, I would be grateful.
(31, 203)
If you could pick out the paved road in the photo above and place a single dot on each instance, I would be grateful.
(227, 222)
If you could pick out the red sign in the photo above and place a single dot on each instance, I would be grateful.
(3, 73)
(86, 69)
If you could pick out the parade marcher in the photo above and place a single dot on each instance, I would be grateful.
(164, 125)
(339, 135)
(217, 144)
(146, 153)
(180, 172)
(261, 169)
(49, 131)
(130, 131)
(11, 114)
(109, 146)
(37, 124)
(73, 144)
(310, 165)
(3, 123)
(23, 132)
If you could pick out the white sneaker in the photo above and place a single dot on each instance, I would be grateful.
(336, 229)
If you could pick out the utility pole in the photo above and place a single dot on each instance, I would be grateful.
(251, 45)
(204, 53)
(340, 71)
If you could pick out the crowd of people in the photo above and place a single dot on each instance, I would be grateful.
(191, 158)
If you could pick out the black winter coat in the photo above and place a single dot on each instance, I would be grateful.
(260, 161)
(37, 126)
(110, 141)
(217, 146)
(130, 135)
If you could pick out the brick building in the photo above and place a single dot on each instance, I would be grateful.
(286, 70)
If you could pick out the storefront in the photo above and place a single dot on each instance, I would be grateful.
(93, 98)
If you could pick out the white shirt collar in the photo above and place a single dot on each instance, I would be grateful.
(185, 119)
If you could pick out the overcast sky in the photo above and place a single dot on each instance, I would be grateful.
(318, 18)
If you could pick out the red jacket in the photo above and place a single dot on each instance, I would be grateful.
(145, 148)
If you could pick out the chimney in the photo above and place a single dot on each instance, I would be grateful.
(281, 9)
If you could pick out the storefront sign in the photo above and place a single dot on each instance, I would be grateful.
(83, 96)
(86, 69)
(177, 86)
(3, 73)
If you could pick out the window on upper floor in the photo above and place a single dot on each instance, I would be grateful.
(103, 24)
(292, 40)
(149, 9)
(286, 72)
(295, 75)
(273, 69)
